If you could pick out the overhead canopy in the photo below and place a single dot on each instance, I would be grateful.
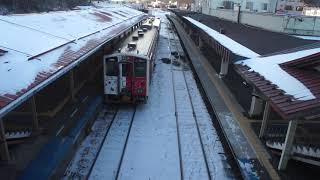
(38, 47)
(254, 40)
(290, 81)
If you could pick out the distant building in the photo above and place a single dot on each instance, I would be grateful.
(246, 5)
(295, 7)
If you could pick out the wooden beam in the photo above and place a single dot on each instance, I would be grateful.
(265, 120)
(35, 122)
(286, 151)
(4, 151)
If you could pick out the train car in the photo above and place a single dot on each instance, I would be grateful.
(128, 71)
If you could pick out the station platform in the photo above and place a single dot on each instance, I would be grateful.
(250, 155)
(59, 148)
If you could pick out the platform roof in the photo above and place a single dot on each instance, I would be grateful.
(290, 81)
(258, 40)
(40, 47)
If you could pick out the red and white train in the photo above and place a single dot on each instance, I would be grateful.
(128, 71)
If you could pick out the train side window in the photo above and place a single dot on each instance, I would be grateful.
(112, 67)
(140, 69)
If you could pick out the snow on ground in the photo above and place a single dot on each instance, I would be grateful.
(224, 40)
(218, 165)
(269, 68)
(83, 160)
(194, 166)
(193, 158)
(108, 160)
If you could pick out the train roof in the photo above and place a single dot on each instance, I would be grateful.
(157, 22)
(143, 43)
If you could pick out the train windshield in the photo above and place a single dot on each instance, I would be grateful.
(112, 67)
(126, 69)
(140, 69)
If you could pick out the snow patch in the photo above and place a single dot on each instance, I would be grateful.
(317, 38)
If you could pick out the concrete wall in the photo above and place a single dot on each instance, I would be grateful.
(300, 25)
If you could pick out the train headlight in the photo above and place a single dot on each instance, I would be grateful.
(139, 91)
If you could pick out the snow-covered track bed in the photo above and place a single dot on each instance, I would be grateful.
(192, 102)
(194, 161)
(109, 160)
(85, 156)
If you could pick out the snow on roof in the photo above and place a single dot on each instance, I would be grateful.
(227, 42)
(317, 38)
(54, 40)
(157, 22)
(49, 30)
(269, 67)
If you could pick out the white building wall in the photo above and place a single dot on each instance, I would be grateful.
(257, 5)
(259, 17)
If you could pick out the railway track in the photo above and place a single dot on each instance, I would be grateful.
(233, 172)
(103, 131)
(195, 144)
(175, 48)
(86, 155)
(108, 161)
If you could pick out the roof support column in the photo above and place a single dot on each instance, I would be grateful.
(286, 152)
(265, 119)
(256, 106)
(4, 151)
(72, 89)
(35, 122)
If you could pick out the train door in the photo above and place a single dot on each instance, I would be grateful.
(111, 67)
(125, 83)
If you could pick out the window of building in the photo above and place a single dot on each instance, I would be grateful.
(249, 5)
(288, 8)
(299, 8)
(228, 4)
(265, 6)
